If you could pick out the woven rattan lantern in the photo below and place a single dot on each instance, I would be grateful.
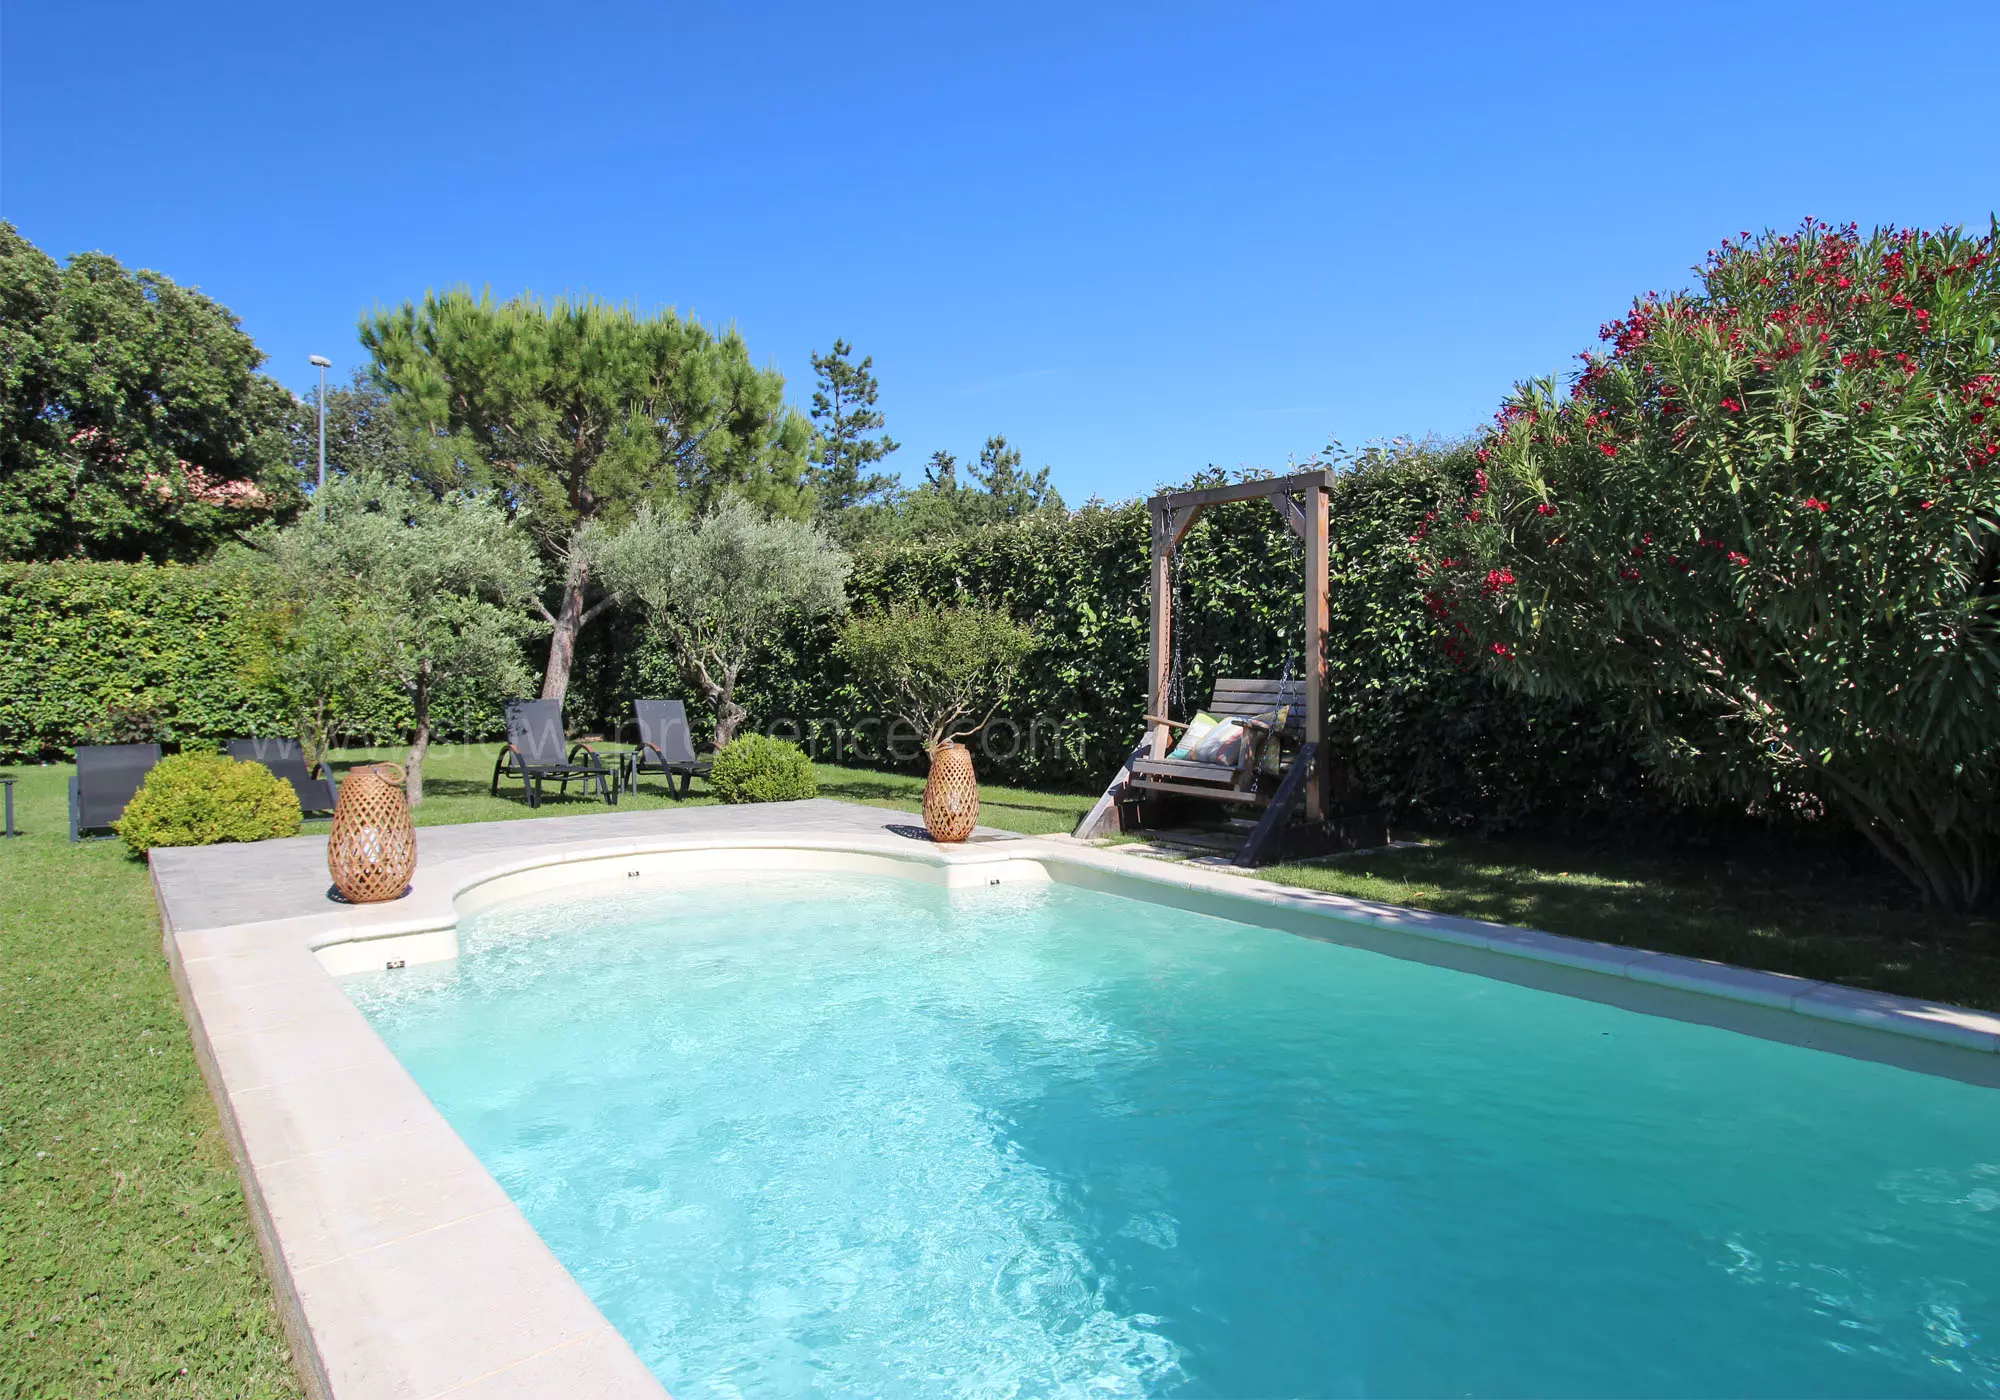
(372, 848)
(951, 794)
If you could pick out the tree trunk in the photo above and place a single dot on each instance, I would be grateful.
(312, 735)
(721, 695)
(1951, 870)
(569, 621)
(420, 741)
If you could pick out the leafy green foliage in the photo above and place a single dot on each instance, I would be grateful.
(756, 768)
(363, 435)
(199, 799)
(843, 405)
(1766, 527)
(577, 413)
(1410, 730)
(999, 491)
(936, 666)
(717, 588)
(133, 423)
(384, 577)
(119, 653)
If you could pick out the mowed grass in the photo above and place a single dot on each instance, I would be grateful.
(129, 1266)
(127, 1263)
(1848, 927)
(457, 779)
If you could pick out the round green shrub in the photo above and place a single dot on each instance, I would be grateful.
(198, 799)
(754, 768)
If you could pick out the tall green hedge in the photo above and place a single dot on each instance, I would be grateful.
(1411, 730)
(168, 645)
(78, 641)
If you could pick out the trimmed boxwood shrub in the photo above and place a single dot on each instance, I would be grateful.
(200, 799)
(757, 768)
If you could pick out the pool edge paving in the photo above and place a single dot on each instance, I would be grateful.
(402, 1269)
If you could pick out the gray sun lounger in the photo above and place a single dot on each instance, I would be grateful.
(287, 760)
(536, 751)
(665, 746)
(107, 777)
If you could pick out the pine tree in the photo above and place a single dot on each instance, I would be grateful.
(1011, 492)
(844, 408)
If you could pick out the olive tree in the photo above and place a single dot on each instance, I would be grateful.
(937, 667)
(719, 587)
(434, 589)
(1767, 524)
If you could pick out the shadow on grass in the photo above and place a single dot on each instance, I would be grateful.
(1832, 927)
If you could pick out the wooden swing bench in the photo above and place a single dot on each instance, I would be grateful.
(1293, 710)
(1265, 708)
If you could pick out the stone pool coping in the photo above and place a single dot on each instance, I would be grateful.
(404, 1270)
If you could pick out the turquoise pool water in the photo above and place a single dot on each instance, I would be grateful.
(855, 1135)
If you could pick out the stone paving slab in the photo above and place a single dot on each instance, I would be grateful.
(204, 887)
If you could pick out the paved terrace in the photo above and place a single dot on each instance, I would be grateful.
(210, 887)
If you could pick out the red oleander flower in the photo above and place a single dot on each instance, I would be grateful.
(1732, 406)
(1545, 509)
(1609, 449)
(1815, 503)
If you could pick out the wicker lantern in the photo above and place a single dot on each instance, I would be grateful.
(372, 848)
(951, 794)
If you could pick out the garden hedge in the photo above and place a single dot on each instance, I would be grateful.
(1413, 731)
(99, 652)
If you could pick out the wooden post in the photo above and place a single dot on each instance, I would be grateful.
(1315, 658)
(1160, 639)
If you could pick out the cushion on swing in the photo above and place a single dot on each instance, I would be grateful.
(1197, 729)
(1223, 743)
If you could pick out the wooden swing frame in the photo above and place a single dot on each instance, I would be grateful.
(1302, 501)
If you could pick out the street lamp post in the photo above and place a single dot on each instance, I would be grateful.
(324, 364)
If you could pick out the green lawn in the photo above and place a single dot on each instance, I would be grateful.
(1859, 930)
(456, 782)
(129, 1267)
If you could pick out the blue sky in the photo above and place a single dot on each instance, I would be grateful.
(1137, 239)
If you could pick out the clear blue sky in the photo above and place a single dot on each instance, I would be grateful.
(1137, 239)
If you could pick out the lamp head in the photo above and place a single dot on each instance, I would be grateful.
(322, 361)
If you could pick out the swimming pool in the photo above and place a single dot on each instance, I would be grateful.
(862, 1134)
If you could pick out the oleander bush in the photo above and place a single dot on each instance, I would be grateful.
(200, 799)
(1763, 532)
(758, 768)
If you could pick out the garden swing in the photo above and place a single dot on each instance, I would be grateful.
(1288, 710)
